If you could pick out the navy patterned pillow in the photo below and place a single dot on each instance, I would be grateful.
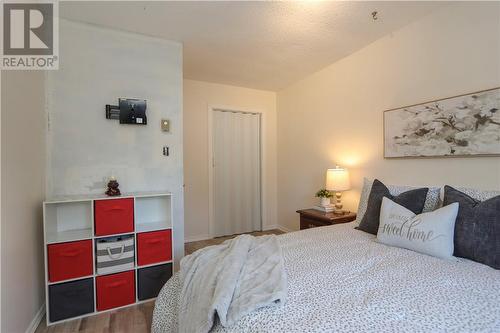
(413, 200)
(477, 230)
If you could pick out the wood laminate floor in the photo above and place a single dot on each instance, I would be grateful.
(134, 319)
(194, 246)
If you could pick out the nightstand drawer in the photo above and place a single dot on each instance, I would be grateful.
(306, 223)
(312, 218)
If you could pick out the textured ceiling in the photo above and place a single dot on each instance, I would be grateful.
(263, 45)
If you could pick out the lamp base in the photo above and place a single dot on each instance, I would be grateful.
(338, 203)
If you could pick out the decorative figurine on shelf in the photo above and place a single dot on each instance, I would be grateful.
(113, 189)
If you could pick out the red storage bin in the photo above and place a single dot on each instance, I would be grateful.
(114, 216)
(70, 260)
(153, 247)
(115, 290)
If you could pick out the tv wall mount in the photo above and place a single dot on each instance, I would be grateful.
(128, 111)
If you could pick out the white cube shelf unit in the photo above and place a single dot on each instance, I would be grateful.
(71, 234)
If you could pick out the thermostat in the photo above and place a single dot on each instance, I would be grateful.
(165, 125)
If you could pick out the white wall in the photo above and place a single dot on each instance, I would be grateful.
(23, 190)
(335, 115)
(198, 96)
(97, 66)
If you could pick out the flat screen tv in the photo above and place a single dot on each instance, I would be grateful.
(132, 111)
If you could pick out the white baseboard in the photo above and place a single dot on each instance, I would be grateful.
(270, 227)
(37, 320)
(196, 238)
(284, 229)
(277, 226)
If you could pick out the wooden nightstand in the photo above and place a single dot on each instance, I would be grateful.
(312, 218)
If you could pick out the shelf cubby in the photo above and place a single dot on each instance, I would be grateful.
(68, 221)
(153, 213)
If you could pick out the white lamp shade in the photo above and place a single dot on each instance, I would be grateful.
(337, 180)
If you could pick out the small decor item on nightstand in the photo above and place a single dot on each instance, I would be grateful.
(113, 189)
(337, 180)
(325, 196)
(325, 205)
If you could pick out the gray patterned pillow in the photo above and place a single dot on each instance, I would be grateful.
(480, 195)
(432, 202)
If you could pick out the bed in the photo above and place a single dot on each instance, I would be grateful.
(342, 280)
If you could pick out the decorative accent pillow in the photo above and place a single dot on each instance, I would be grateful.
(363, 199)
(480, 195)
(428, 233)
(432, 202)
(477, 231)
(414, 200)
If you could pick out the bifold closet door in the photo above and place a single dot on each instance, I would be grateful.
(236, 173)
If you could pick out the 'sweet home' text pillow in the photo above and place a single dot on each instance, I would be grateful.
(429, 233)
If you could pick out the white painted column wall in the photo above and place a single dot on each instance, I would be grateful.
(97, 66)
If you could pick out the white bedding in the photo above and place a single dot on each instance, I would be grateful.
(342, 280)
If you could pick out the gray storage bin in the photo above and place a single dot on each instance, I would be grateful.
(71, 299)
(151, 279)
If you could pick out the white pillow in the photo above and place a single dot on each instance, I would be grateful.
(429, 233)
(432, 201)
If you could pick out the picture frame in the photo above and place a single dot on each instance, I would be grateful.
(466, 125)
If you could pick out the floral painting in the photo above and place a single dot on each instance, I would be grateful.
(465, 125)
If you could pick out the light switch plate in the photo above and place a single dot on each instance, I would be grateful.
(165, 125)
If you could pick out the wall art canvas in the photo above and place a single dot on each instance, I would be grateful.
(465, 125)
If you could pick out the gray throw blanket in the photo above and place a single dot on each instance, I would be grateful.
(230, 280)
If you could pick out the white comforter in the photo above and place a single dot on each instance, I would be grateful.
(342, 280)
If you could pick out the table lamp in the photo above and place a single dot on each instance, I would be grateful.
(337, 180)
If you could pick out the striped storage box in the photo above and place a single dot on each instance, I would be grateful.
(115, 254)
